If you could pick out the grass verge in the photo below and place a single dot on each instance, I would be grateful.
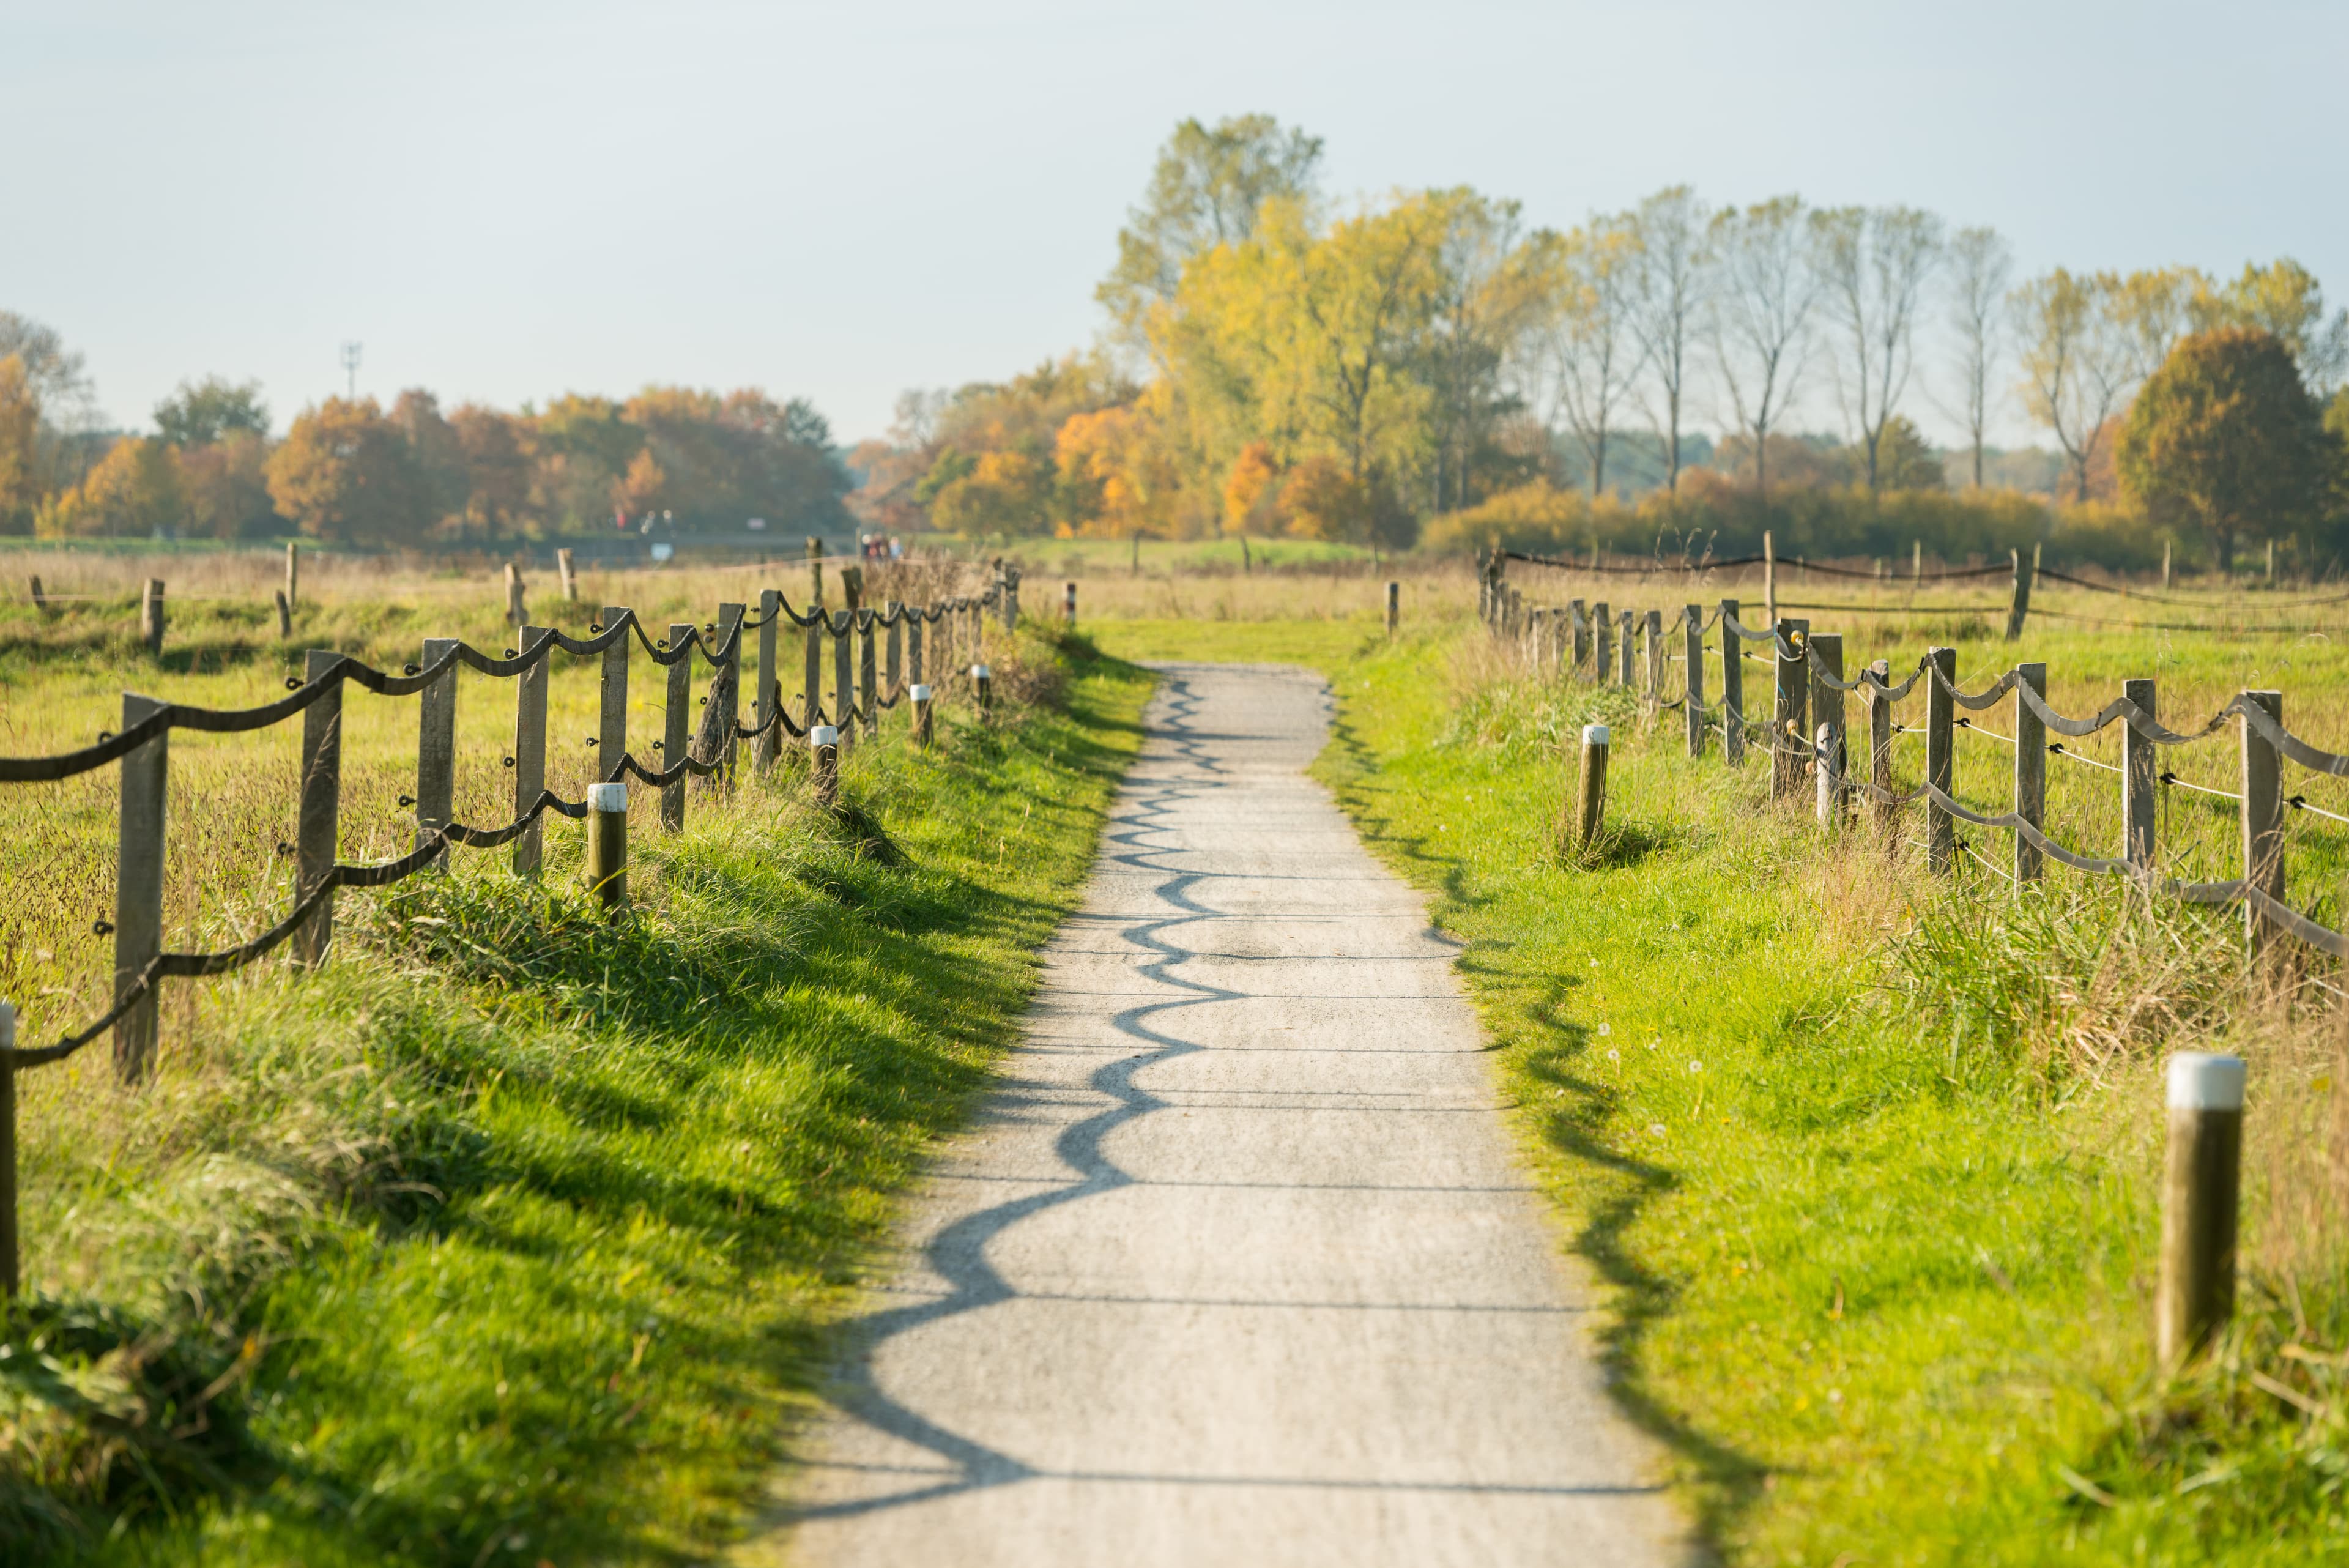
(511, 1236)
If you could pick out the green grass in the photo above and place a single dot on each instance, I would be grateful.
(511, 1236)
(1877, 1223)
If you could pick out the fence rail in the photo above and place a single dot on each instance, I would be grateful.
(918, 638)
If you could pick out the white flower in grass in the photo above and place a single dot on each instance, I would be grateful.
(1695, 1065)
(1604, 1031)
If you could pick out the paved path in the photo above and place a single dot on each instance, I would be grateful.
(1236, 1265)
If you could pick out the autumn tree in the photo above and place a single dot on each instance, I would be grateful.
(1590, 355)
(2225, 437)
(1873, 263)
(1670, 232)
(1114, 476)
(1981, 265)
(1764, 294)
(2284, 298)
(20, 433)
(202, 412)
(225, 485)
(1491, 294)
(442, 475)
(1207, 189)
(346, 473)
(497, 465)
(132, 492)
(2075, 362)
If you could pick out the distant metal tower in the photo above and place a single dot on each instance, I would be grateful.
(351, 368)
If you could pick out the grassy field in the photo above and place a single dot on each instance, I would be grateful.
(511, 1236)
(1869, 1163)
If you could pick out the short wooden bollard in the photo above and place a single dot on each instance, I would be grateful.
(1068, 605)
(284, 616)
(1591, 810)
(570, 578)
(8, 1279)
(40, 600)
(515, 613)
(293, 573)
(150, 616)
(823, 745)
(922, 731)
(984, 684)
(1394, 606)
(2200, 1189)
(607, 845)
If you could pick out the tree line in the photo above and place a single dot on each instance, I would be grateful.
(670, 459)
(1275, 362)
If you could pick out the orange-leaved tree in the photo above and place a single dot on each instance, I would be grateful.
(346, 474)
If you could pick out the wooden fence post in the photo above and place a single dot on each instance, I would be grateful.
(1826, 722)
(318, 827)
(811, 700)
(2263, 821)
(435, 747)
(150, 616)
(816, 571)
(983, 684)
(1592, 812)
(515, 613)
(769, 699)
(139, 885)
(726, 699)
(1579, 624)
(40, 602)
(2138, 771)
(1940, 759)
(1624, 619)
(1692, 624)
(676, 719)
(2165, 565)
(1069, 603)
(1880, 743)
(570, 578)
(1733, 688)
(843, 679)
(10, 1281)
(293, 573)
(920, 692)
(1788, 730)
(612, 713)
(608, 845)
(2201, 1190)
(1602, 625)
(2030, 769)
(1769, 578)
(2020, 609)
(824, 749)
(530, 750)
(1655, 633)
(1394, 606)
(285, 615)
(894, 671)
(868, 675)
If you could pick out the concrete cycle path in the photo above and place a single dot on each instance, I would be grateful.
(1236, 1264)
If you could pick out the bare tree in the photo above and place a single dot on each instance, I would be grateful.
(2150, 311)
(1589, 357)
(2075, 362)
(1980, 268)
(1872, 264)
(1758, 316)
(1667, 306)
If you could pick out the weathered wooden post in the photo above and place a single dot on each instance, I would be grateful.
(10, 1281)
(1069, 606)
(914, 669)
(40, 602)
(2262, 822)
(318, 826)
(1655, 672)
(2030, 769)
(138, 884)
(1603, 626)
(436, 746)
(150, 616)
(1733, 687)
(811, 698)
(1769, 578)
(285, 615)
(2138, 770)
(1692, 650)
(1880, 743)
(921, 696)
(2201, 1190)
(725, 700)
(676, 719)
(823, 747)
(894, 670)
(530, 750)
(843, 679)
(570, 578)
(816, 571)
(1825, 661)
(770, 695)
(868, 674)
(293, 573)
(515, 613)
(1940, 757)
(1789, 729)
(612, 711)
(2020, 609)
(983, 684)
(1590, 812)
(1625, 620)
(607, 845)
(2165, 565)
(1394, 606)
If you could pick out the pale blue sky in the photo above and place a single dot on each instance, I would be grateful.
(505, 202)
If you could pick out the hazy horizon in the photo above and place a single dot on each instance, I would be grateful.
(506, 205)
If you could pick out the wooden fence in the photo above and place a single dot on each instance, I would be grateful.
(877, 659)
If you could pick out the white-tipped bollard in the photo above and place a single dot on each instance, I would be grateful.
(985, 684)
(1593, 808)
(921, 695)
(1069, 606)
(2200, 1192)
(607, 844)
(7, 1152)
(823, 742)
